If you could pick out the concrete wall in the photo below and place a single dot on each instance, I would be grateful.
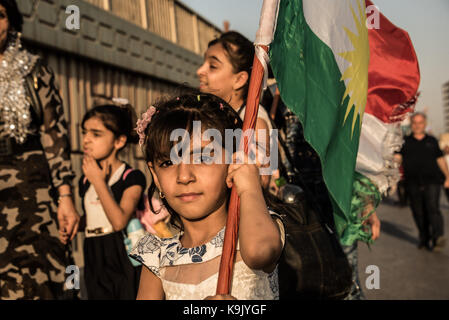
(109, 39)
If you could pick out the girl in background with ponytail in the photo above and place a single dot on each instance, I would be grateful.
(111, 191)
(226, 73)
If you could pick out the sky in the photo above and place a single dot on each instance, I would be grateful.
(426, 21)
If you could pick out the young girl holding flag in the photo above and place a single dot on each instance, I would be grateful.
(197, 194)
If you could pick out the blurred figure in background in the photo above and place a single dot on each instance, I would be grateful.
(425, 169)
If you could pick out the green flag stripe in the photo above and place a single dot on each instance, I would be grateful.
(309, 82)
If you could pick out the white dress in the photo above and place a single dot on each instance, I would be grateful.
(192, 273)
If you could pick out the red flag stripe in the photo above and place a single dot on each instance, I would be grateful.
(393, 73)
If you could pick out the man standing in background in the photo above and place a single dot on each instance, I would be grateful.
(425, 169)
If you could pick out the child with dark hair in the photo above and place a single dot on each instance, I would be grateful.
(239, 53)
(194, 184)
(111, 191)
(226, 73)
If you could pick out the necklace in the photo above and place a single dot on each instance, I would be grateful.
(15, 108)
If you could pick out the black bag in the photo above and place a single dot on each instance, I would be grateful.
(313, 264)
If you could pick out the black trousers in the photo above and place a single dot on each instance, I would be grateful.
(425, 205)
(402, 193)
(446, 191)
(109, 274)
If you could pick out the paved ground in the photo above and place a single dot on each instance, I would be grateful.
(405, 271)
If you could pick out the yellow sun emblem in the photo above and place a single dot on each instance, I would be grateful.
(357, 72)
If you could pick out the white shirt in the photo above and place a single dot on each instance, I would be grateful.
(95, 215)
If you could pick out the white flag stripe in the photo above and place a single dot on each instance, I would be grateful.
(378, 141)
(267, 22)
(327, 19)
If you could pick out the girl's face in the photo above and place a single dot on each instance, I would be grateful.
(217, 76)
(4, 26)
(193, 190)
(98, 141)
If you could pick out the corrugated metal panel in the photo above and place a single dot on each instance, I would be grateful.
(205, 35)
(184, 28)
(159, 18)
(129, 10)
(99, 3)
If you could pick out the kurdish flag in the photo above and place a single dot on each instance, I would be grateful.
(393, 81)
(320, 57)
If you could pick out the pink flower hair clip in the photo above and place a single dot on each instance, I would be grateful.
(142, 124)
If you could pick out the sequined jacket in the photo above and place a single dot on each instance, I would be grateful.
(52, 125)
(48, 125)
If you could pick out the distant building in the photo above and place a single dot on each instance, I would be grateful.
(445, 94)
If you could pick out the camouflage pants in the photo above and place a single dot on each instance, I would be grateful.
(32, 259)
(356, 292)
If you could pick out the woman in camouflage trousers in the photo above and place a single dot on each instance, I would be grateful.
(35, 173)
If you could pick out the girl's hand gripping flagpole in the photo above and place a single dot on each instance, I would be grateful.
(258, 81)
